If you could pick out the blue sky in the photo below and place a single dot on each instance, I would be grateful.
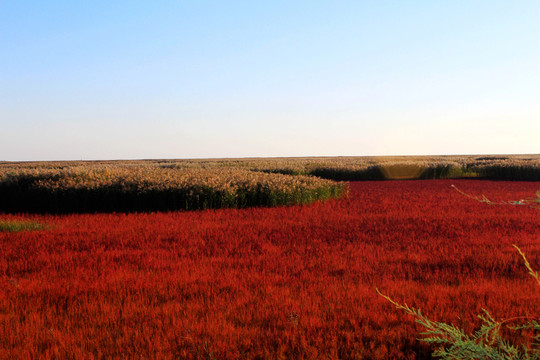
(177, 79)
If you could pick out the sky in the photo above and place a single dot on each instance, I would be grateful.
(211, 79)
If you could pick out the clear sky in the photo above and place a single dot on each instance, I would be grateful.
(191, 79)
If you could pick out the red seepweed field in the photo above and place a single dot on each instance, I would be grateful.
(292, 282)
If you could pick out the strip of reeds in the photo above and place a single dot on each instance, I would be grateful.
(157, 185)
(494, 167)
(507, 167)
(150, 188)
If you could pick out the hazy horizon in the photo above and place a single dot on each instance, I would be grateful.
(182, 80)
(276, 157)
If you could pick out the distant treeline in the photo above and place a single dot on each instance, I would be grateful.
(161, 185)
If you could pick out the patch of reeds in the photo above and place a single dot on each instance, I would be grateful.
(510, 167)
(146, 188)
(154, 185)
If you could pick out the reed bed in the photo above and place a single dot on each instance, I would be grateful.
(494, 167)
(157, 185)
(106, 187)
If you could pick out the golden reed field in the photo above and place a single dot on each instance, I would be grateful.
(79, 186)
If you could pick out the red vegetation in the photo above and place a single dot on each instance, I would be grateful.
(269, 283)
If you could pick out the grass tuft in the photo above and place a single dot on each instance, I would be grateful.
(18, 225)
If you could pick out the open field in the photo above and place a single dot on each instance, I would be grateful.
(294, 282)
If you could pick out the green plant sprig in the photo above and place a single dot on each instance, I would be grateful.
(533, 273)
(487, 342)
(531, 202)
